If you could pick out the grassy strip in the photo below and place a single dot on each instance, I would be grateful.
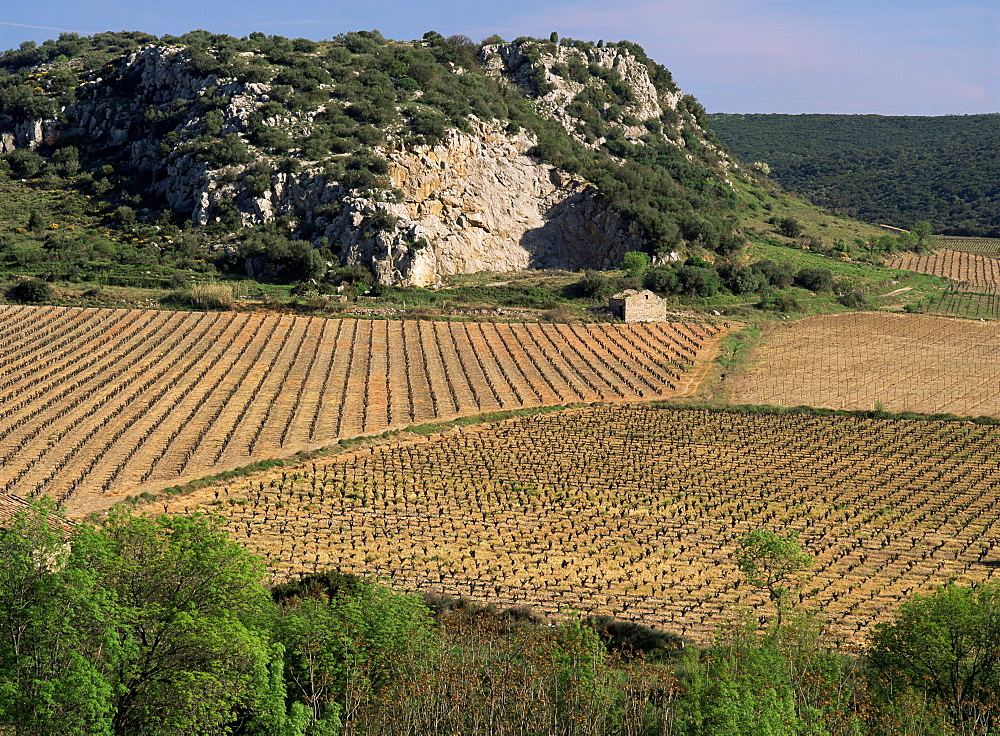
(344, 445)
(734, 350)
(732, 360)
(772, 410)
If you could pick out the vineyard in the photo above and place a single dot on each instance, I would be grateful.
(634, 511)
(95, 403)
(875, 360)
(981, 246)
(971, 269)
(963, 300)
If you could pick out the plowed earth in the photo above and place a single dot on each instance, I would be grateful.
(96, 404)
(634, 511)
(869, 360)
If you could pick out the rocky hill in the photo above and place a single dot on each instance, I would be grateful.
(414, 160)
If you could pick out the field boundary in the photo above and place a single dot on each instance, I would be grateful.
(430, 430)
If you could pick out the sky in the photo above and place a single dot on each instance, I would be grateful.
(886, 57)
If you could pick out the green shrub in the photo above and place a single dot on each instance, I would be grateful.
(594, 285)
(635, 262)
(789, 227)
(30, 291)
(778, 302)
(854, 299)
(814, 279)
(662, 280)
(698, 281)
(25, 164)
(779, 275)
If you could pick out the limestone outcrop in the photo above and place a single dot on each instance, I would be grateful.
(479, 202)
(475, 200)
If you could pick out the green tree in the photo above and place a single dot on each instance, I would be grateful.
(66, 160)
(789, 227)
(635, 262)
(946, 644)
(814, 279)
(187, 609)
(51, 639)
(30, 291)
(342, 644)
(770, 562)
(924, 234)
(35, 221)
(595, 285)
(662, 279)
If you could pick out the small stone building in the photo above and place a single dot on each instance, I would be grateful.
(638, 306)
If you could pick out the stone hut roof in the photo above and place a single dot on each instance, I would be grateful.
(624, 294)
(645, 293)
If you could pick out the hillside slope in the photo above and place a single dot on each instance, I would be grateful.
(414, 160)
(888, 170)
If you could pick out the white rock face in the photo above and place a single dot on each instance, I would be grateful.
(482, 204)
(29, 135)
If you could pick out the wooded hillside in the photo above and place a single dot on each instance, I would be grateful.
(884, 170)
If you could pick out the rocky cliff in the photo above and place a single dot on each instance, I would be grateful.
(479, 202)
(420, 197)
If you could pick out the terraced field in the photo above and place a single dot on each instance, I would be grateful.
(95, 404)
(634, 511)
(982, 246)
(869, 360)
(971, 269)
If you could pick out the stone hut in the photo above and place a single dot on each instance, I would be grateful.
(638, 306)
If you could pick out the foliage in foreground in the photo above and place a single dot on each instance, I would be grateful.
(162, 626)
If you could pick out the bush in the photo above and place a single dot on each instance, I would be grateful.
(778, 302)
(594, 285)
(271, 254)
(815, 279)
(635, 262)
(663, 280)
(203, 296)
(779, 275)
(789, 227)
(742, 279)
(854, 299)
(30, 291)
(25, 164)
(945, 645)
(698, 281)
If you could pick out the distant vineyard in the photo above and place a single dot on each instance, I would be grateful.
(968, 268)
(963, 300)
(866, 360)
(94, 403)
(634, 511)
(981, 246)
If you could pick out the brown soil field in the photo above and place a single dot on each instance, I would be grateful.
(99, 403)
(967, 268)
(634, 511)
(870, 360)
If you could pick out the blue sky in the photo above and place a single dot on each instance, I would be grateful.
(889, 57)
